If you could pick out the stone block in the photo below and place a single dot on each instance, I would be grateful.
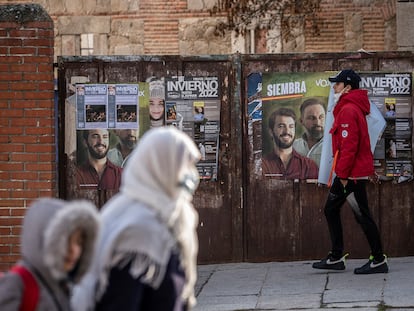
(129, 49)
(197, 36)
(53, 7)
(132, 29)
(198, 5)
(102, 6)
(405, 25)
(100, 44)
(353, 31)
(69, 25)
(75, 6)
(70, 45)
(125, 6)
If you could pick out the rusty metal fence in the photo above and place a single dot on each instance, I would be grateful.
(244, 217)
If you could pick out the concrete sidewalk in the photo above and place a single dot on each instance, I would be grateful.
(297, 286)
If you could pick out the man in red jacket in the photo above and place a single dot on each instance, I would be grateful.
(353, 165)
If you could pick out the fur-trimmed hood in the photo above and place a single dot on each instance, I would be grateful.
(46, 229)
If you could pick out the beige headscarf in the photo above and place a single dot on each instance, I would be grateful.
(154, 176)
(151, 217)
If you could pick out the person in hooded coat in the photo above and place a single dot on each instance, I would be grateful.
(354, 166)
(147, 254)
(57, 244)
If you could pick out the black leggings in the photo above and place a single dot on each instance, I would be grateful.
(356, 191)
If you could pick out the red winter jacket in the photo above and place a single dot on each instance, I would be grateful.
(350, 136)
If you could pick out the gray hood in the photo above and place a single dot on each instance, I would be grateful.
(46, 229)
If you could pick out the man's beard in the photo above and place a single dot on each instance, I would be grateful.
(316, 132)
(129, 143)
(281, 144)
(95, 154)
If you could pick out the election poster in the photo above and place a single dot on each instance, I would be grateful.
(107, 106)
(392, 95)
(92, 106)
(110, 118)
(293, 119)
(107, 129)
(193, 105)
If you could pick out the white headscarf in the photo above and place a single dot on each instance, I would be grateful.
(157, 175)
(151, 216)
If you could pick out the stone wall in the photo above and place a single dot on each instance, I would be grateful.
(185, 27)
(405, 25)
(152, 27)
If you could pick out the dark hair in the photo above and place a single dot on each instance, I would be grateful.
(354, 85)
(310, 102)
(199, 109)
(286, 112)
(85, 134)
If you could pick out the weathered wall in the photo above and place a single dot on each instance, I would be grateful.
(185, 27)
(27, 137)
(405, 25)
(284, 219)
(353, 25)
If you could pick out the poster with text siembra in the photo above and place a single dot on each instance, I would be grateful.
(294, 112)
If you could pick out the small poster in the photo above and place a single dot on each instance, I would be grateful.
(91, 106)
(125, 100)
(392, 94)
(192, 104)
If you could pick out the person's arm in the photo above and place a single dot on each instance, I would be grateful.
(11, 292)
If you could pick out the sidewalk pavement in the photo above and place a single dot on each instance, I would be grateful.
(297, 286)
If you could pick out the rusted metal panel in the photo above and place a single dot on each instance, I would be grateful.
(242, 215)
(284, 219)
(314, 235)
(272, 222)
(218, 202)
(396, 218)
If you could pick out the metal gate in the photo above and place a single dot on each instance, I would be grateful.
(284, 220)
(244, 217)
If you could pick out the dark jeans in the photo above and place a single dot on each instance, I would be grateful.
(356, 191)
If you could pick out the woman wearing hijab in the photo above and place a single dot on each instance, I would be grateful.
(146, 255)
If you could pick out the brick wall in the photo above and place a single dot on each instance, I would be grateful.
(160, 30)
(367, 32)
(27, 121)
